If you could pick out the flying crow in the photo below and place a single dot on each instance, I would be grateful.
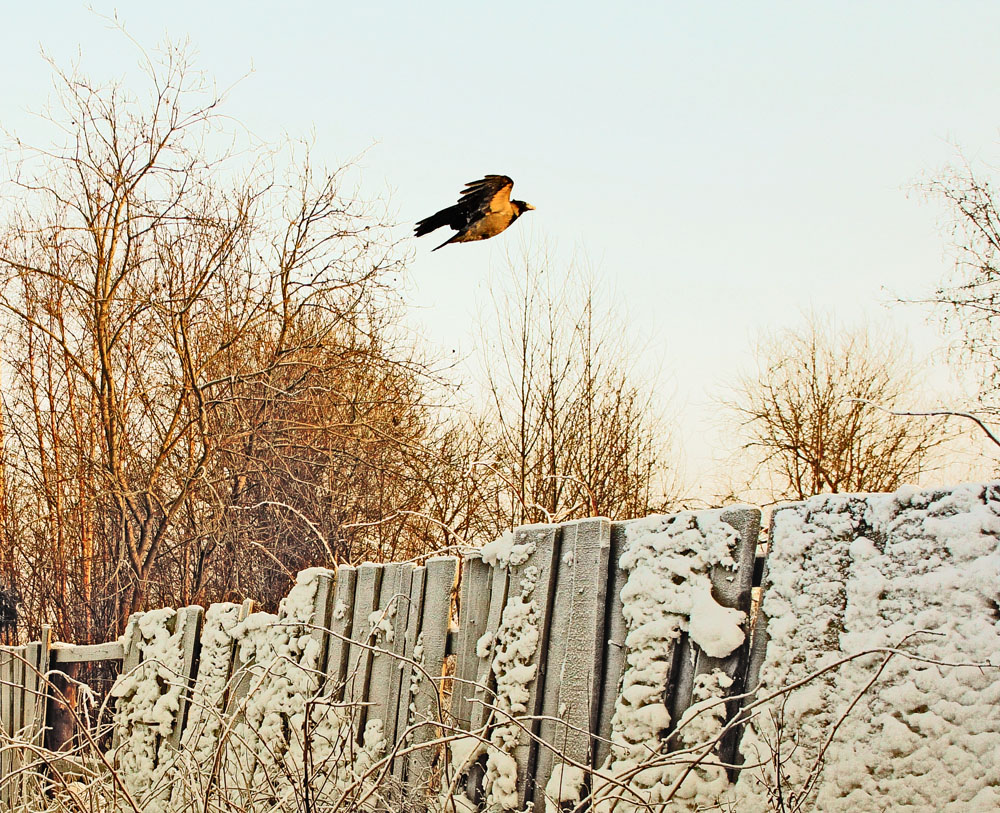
(484, 210)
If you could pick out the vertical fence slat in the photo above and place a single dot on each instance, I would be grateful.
(382, 662)
(17, 678)
(389, 662)
(133, 652)
(730, 588)
(211, 682)
(191, 618)
(413, 621)
(239, 672)
(473, 617)
(130, 660)
(440, 580)
(575, 653)
(39, 658)
(540, 569)
(341, 625)
(17, 712)
(6, 722)
(483, 690)
(734, 589)
(359, 657)
(322, 618)
(614, 650)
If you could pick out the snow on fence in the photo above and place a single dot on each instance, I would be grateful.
(588, 665)
(886, 609)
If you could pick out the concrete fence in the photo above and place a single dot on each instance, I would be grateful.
(591, 664)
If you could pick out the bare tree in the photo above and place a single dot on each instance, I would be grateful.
(206, 389)
(331, 467)
(568, 429)
(807, 413)
(970, 300)
(193, 326)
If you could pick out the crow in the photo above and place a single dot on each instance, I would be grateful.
(484, 210)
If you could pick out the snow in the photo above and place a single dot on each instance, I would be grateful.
(565, 786)
(380, 623)
(485, 644)
(416, 678)
(515, 644)
(669, 592)
(915, 570)
(372, 748)
(715, 629)
(883, 614)
(464, 751)
(462, 754)
(508, 551)
(148, 699)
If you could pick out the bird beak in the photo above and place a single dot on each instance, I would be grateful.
(528, 206)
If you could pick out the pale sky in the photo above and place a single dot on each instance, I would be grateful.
(724, 166)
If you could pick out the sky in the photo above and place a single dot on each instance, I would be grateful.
(722, 167)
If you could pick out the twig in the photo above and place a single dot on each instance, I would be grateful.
(937, 413)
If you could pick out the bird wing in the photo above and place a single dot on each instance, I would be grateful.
(454, 217)
(479, 198)
(490, 194)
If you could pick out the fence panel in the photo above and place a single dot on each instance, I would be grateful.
(575, 654)
(540, 653)
(341, 626)
(360, 657)
(433, 637)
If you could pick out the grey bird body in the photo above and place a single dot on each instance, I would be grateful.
(483, 211)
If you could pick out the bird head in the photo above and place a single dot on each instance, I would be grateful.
(521, 207)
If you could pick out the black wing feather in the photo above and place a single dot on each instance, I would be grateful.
(454, 217)
(480, 193)
(474, 201)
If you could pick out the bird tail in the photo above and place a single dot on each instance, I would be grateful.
(435, 221)
(453, 239)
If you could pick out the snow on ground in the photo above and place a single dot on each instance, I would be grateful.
(915, 570)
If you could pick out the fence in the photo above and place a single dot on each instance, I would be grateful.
(589, 665)
(538, 638)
